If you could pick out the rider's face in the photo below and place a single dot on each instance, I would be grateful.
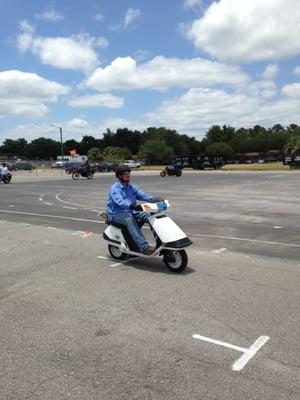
(126, 177)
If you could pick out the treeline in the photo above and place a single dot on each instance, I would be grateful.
(161, 144)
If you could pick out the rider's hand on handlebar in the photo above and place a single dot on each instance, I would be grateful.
(136, 207)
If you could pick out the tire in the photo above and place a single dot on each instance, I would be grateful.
(6, 179)
(90, 175)
(163, 174)
(116, 253)
(75, 176)
(179, 172)
(176, 260)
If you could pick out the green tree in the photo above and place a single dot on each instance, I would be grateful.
(14, 148)
(116, 154)
(220, 149)
(43, 148)
(156, 151)
(292, 145)
(87, 143)
(95, 155)
(71, 145)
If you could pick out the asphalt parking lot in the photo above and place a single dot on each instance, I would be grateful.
(76, 324)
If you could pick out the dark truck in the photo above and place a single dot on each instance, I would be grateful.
(293, 160)
(201, 161)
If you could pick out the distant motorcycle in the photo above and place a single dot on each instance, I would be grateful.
(84, 174)
(6, 178)
(170, 171)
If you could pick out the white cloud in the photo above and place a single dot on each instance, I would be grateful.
(263, 89)
(247, 31)
(297, 71)
(50, 14)
(192, 3)
(24, 93)
(73, 129)
(75, 52)
(161, 73)
(270, 72)
(77, 123)
(99, 17)
(198, 109)
(292, 90)
(132, 16)
(25, 26)
(98, 100)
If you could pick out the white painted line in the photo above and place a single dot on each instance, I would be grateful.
(11, 205)
(243, 239)
(104, 258)
(277, 227)
(53, 216)
(220, 250)
(51, 227)
(116, 264)
(48, 204)
(220, 343)
(248, 353)
(70, 208)
(120, 263)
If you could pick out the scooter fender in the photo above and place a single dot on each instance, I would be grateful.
(166, 229)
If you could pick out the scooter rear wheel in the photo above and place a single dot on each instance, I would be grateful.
(176, 260)
(116, 253)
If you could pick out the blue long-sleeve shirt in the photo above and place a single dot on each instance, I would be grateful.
(121, 197)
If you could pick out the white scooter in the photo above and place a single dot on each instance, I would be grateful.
(170, 239)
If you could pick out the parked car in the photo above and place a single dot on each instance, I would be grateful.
(23, 165)
(132, 163)
(106, 166)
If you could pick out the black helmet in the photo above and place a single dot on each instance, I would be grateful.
(121, 169)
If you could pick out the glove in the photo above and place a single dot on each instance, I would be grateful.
(156, 199)
(135, 207)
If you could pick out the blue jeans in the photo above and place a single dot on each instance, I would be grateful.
(133, 224)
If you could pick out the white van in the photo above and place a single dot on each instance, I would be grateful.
(61, 160)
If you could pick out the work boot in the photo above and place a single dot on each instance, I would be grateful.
(148, 250)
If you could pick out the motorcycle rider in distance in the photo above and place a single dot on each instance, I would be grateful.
(122, 208)
(3, 171)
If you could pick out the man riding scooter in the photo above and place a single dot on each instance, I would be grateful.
(122, 208)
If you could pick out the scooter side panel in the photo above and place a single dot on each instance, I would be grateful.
(114, 233)
(166, 229)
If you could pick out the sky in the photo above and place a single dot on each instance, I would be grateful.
(92, 65)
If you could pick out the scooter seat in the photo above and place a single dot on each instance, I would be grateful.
(117, 225)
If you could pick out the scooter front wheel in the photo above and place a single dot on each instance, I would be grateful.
(163, 174)
(116, 253)
(176, 260)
